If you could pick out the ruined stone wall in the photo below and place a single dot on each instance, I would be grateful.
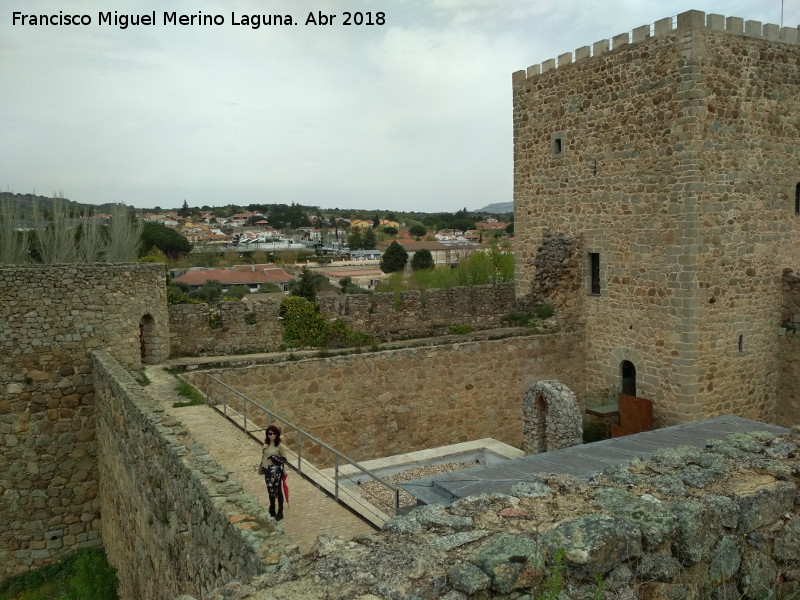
(787, 411)
(391, 402)
(417, 314)
(689, 523)
(238, 330)
(51, 317)
(232, 328)
(172, 521)
(674, 159)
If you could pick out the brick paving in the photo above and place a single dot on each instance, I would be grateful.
(309, 513)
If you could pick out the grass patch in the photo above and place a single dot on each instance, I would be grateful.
(83, 575)
(188, 391)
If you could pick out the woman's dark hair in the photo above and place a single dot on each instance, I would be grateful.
(276, 431)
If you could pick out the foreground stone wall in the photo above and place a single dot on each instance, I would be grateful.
(787, 411)
(390, 402)
(51, 317)
(171, 519)
(240, 330)
(673, 159)
(718, 523)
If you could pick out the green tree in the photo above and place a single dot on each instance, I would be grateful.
(510, 228)
(394, 259)
(422, 260)
(369, 240)
(376, 221)
(169, 241)
(348, 287)
(237, 291)
(307, 286)
(184, 211)
(210, 292)
(418, 231)
(354, 240)
(269, 288)
(389, 230)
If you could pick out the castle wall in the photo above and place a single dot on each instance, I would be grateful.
(674, 159)
(239, 329)
(721, 522)
(392, 402)
(385, 316)
(172, 521)
(51, 317)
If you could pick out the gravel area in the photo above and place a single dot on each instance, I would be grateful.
(383, 498)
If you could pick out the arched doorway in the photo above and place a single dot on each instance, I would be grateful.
(628, 375)
(147, 338)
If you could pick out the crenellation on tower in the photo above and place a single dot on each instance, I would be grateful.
(691, 19)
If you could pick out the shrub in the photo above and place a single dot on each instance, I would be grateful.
(460, 329)
(521, 319)
(339, 335)
(303, 324)
(215, 321)
(545, 311)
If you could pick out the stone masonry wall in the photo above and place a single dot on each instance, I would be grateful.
(172, 521)
(674, 158)
(51, 317)
(385, 316)
(787, 411)
(240, 331)
(690, 523)
(379, 404)
(417, 314)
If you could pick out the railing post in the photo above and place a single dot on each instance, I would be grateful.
(299, 440)
(396, 501)
(225, 401)
(336, 476)
(244, 411)
(208, 398)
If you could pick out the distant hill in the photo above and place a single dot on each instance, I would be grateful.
(497, 208)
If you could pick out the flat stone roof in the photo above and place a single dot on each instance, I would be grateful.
(583, 461)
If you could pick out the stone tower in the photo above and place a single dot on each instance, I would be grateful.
(671, 163)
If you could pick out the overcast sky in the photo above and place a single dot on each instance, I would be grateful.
(414, 114)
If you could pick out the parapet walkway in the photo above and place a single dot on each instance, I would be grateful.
(310, 511)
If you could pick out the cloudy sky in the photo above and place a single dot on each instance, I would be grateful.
(411, 114)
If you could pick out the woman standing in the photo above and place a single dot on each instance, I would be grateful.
(272, 447)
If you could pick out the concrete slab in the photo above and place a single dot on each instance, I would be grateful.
(583, 462)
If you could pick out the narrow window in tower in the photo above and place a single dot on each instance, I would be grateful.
(797, 199)
(594, 273)
(557, 144)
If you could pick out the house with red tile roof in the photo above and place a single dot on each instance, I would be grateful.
(251, 277)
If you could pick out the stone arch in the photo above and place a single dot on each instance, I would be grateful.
(551, 418)
(149, 340)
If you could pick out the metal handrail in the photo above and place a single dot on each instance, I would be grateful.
(300, 436)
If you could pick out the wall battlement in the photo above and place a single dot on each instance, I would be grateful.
(691, 19)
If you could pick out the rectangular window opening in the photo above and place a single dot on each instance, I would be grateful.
(594, 271)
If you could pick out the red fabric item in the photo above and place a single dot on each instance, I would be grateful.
(285, 489)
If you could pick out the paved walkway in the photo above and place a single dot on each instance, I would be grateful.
(310, 511)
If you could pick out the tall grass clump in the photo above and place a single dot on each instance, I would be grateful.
(13, 243)
(124, 236)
